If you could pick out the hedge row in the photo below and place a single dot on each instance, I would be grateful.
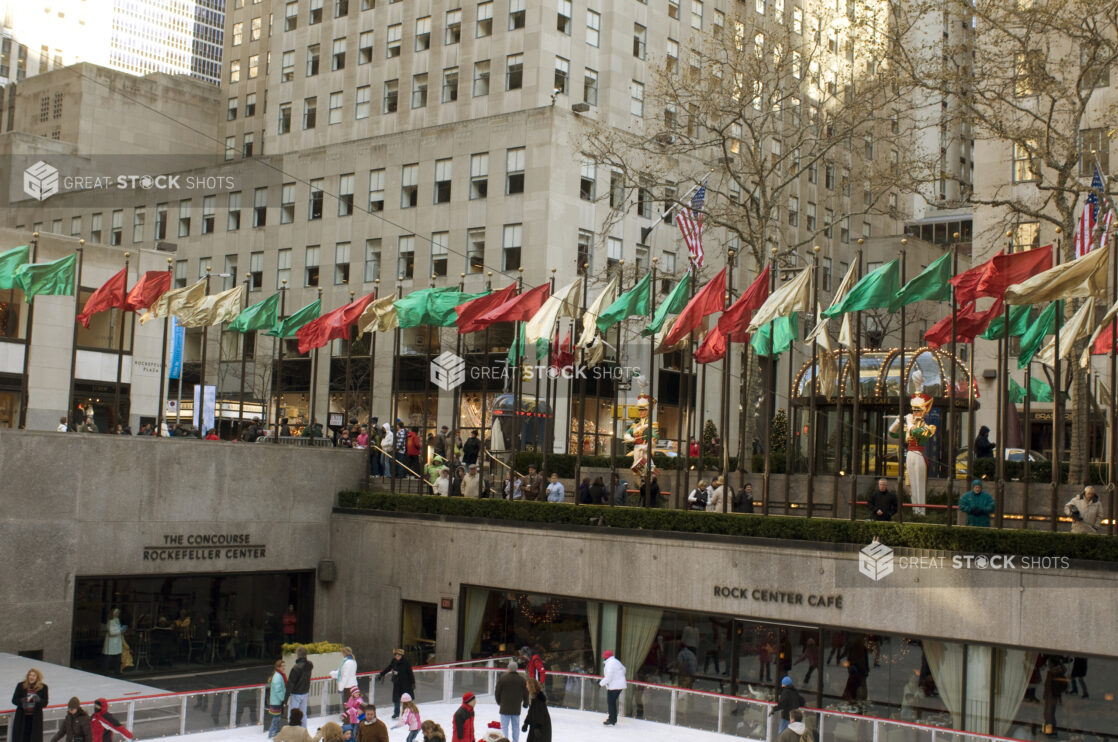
(826, 530)
(563, 464)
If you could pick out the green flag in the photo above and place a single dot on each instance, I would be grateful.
(931, 285)
(1033, 339)
(53, 279)
(672, 304)
(1018, 323)
(260, 316)
(1016, 392)
(288, 326)
(9, 261)
(875, 291)
(515, 351)
(777, 336)
(435, 307)
(635, 301)
(1038, 391)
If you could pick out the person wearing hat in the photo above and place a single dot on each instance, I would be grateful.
(916, 434)
(471, 483)
(463, 728)
(104, 724)
(613, 680)
(403, 679)
(977, 504)
(788, 700)
(409, 714)
(75, 725)
(511, 694)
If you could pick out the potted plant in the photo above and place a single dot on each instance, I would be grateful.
(325, 656)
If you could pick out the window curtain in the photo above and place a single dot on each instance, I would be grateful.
(638, 631)
(978, 688)
(476, 600)
(593, 618)
(946, 662)
(1015, 666)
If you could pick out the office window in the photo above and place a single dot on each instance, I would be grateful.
(341, 263)
(235, 70)
(636, 95)
(644, 202)
(310, 266)
(593, 28)
(337, 55)
(562, 75)
(797, 20)
(419, 91)
(423, 34)
(310, 113)
(341, 8)
(75, 226)
(247, 143)
(481, 78)
(563, 23)
(232, 217)
(260, 207)
(361, 104)
(696, 14)
(442, 181)
(372, 259)
(514, 171)
(673, 9)
(287, 203)
(640, 39)
(409, 186)
(376, 190)
(809, 216)
(365, 47)
(667, 262)
(616, 189)
(391, 95)
(614, 249)
(139, 216)
(844, 230)
(439, 252)
(484, 19)
(95, 228)
(479, 176)
(184, 217)
(719, 22)
(452, 33)
(588, 179)
(229, 275)
(405, 256)
(510, 247)
(312, 60)
(254, 33)
(1094, 149)
(283, 267)
(393, 45)
(794, 211)
(316, 12)
(250, 105)
(256, 269)
(238, 33)
(516, 14)
(314, 200)
(590, 86)
(584, 260)
(180, 274)
(514, 65)
(829, 176)
(209, 211)
(825, 278)
(335, 113)
(671, 61)
(475, 251)
(287, 66)
(1026, 235)
(1025, 164)
(345, 194)
(291, 16)
(231, 109)
(450, 85)
(828, 222)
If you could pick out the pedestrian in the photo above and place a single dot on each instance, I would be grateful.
(413, 446)
(514, 487)
(650, 491)
(796, 730)
(598, 493)
(620, 489)
(277, 697)
(409, 717)
(811, 654)
(432, 732)
(714, 504)
(403, 679)
(400, 440)
(613, 680)
(1085, 511)
(104, 724)
(437, 443)
(29, 698)
(457, 479)
(983, 448)
(534, 665)
(353, 712)
(346, 675)
(62, 425)
(555, 490)
(511, 694)
(537, 722)
(471, 483)
(285, 427)
(371, 729)
(743, 501)
(977, 504)
(296, 729)
(75, 725)
(693, 448)
(463, 728)
(686, 667)
(584, 492)
(788, 700)
(533, 486)
(113, 645)
(344, 441)
(883, 503)
(1055, 684)
(299, 681)
(471, 449)
(442, 482)
(331, 731)
(697, 499)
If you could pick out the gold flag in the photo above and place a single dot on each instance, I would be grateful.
(379, 316)
(792, 297)
(212, 310)
(1077, 328)
(563, 303)
(170, 302)
(590, 318)
(1082, 277)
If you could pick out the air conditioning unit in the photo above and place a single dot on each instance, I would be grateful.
(580, 107)
(665, 138)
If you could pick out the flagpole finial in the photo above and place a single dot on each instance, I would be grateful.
(461, 275)
(209, 268)
(861, 242)
(127, 255)
(816, 249)
(35, 235)
(170, 261)
(489, 274)
(955, 236)
(284, 281)
(1059, 230)
(352, 294)
(655, 260)
(376, 281)
(904, 241)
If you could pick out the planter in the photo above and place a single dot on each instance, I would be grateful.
(323, 663)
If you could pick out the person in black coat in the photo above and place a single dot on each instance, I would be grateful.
(537, 722)
(883, 503)
(29, 699)
(598, 492)
(403, 679)
(650, 493)
(983, 448)
(743, 502)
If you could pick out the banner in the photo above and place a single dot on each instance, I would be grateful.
(178, 335)
(206, 407)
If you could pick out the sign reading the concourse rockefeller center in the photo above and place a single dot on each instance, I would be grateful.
(201, 547)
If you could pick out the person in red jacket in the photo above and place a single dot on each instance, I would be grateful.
(533, 664)
(464, 719)
(104, 724)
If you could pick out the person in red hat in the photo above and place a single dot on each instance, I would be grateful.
(464, 719)
(104, 724)
(613, 680)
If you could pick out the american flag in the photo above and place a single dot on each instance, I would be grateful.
(691, 225)
(1089, 219)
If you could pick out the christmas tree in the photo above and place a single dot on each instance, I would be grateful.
(712, 444)
(778, 432)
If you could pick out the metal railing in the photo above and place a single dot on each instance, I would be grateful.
(175, 714)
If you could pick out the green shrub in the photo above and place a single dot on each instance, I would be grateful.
(312, 647)
(826, 530)
(563, 464)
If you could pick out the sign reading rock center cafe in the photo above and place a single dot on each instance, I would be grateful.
(196, 547)
(761, 595)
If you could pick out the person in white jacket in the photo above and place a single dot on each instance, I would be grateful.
(388, 443)
(346, 675)
(613, 680)
(714, 503)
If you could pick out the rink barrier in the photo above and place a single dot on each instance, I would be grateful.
(166, 715)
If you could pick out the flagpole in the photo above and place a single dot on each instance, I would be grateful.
(546, 442)
(616, 387)
(582, 400)
(162, 410)
(74, 340)
(314, 386)
(692, 390)
(1003, 389)
(682, 456)
(650, 438)
(395, 402)
(1113, 393)
(789, 429)
(425, 459)
(279, 359)
(1057, 406)
(483, 459)
(814, 388)
(767, 395)
(244, 354)
(374, 435)
(456, 396)
(743, 402)
(202, 378)
(856, 408)
(1026, 474)
(902, 390)
(727, 365)
(120, 348)
(348, 355)
(952, 418)
(25, 386)
(517, 380)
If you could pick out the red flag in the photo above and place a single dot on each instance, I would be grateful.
(735, 320)
(148, 290)
(1006, 270)
(969, 324)
(519, 308)
(108, 296)
(470, 312)
(1103, 344)
(966, 283)
(714, 345)
(710, 299)
(563, 354)
(331, 326)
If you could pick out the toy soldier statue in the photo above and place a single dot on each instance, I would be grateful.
(916, 433)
